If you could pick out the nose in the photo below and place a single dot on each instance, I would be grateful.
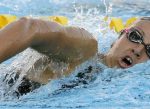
(137, 51)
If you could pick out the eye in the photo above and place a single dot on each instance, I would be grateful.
(134, 36)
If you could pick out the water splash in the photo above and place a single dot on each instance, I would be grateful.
(111, 87)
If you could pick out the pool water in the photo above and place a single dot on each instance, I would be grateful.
(109, 88)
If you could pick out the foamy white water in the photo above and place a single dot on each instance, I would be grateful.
(109, 88)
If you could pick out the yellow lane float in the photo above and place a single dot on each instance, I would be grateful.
(130, 21)
(59, 19)
(6, 19)
(115, 23)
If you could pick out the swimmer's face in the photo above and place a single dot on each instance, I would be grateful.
(126, 53)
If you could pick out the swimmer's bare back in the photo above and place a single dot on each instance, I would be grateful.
(68, 44)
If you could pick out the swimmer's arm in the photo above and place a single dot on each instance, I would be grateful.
(15, 37)
(68, 44)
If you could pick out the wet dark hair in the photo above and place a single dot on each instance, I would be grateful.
(145, 18)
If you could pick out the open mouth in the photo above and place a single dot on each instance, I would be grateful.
(126, 62)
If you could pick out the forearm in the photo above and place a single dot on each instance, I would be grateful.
(71, 45)
(67, 44)
(16, 37)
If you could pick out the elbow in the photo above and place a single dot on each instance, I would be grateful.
(24, 21)
(27, 23)
(28, 27)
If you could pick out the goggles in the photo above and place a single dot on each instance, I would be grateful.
(135, 36)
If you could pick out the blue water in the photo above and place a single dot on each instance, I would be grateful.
(110, 88)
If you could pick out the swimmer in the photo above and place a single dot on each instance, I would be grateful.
(72, 45)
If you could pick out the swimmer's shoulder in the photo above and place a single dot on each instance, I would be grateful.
(78, 32)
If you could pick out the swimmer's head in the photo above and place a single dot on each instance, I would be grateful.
(132, 46)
